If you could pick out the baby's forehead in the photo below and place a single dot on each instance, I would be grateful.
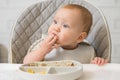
(70, 11)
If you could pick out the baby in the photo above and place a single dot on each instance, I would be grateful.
(66, 34)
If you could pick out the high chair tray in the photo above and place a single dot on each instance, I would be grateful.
(51, 70)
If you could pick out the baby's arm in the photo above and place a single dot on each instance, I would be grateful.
(45, 47)
(99, 61)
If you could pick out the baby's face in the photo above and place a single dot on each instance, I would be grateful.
(66, 25)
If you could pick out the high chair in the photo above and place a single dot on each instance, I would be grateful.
(36, 19)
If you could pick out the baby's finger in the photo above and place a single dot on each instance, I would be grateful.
(53, 47)
(96, 60)
(99, 61)
(54, 32)
(52, 42)
(56, 45)
(50, 37)
(102, 62)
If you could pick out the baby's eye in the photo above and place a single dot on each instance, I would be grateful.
(55, 22)
(66, 26)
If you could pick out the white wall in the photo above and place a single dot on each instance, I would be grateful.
(11, 9)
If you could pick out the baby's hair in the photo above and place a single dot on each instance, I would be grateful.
(85, 15)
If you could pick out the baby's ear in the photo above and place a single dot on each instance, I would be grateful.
(81, 37)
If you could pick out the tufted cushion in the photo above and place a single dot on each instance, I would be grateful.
(36, 19)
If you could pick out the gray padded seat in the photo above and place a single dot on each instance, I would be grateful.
(36, 19)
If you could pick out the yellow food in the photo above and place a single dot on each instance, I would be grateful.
(30, 71)
(43, 72)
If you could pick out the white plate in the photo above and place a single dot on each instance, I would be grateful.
(51, 70)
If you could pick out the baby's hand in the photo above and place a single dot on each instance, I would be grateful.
(48, 44)
(99, 61)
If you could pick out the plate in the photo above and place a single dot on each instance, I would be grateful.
(51, 70)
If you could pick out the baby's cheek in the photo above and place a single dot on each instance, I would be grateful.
(62, 38)
(50, 30)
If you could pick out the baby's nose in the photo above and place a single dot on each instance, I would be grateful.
(57, 28)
